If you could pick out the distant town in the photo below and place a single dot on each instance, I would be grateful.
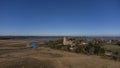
(107, 46)
(43, 51)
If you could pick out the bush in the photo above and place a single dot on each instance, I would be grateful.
(80, 49)
(65, 48)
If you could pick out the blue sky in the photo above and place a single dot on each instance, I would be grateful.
(60, 17)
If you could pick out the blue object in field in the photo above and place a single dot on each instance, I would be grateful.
(34, 45)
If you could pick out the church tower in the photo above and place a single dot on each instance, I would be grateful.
(64, 41)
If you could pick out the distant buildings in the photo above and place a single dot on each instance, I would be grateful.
(67, 42)
(108, 53)
(84, 43)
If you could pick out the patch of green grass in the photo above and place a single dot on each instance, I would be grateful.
(113, 48)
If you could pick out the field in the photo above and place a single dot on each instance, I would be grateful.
(113, 48)
(12, 56)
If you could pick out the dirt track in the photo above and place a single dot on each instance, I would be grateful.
(49, 58)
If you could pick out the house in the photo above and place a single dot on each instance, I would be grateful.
(108, 53)
(84, 43)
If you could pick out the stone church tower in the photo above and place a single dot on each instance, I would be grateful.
(65, 41)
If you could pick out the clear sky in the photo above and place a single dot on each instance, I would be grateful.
(60, 17)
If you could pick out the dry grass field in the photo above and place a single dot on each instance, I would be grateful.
(113, 48)
(12, 43)
(48, 58)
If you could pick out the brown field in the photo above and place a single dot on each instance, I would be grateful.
(48, 58)
(10, 43)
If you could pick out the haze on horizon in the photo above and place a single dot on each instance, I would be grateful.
(60, 17)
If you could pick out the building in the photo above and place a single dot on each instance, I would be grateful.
(108, 53)
(83, 43)
(67, 42)
(64, 41)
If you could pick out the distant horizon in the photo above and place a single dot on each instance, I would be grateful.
(59, 36)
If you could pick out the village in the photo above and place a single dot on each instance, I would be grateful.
(66, 52)
(109, 48)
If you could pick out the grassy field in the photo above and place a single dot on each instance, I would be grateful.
(48, 58)
(113, 48)
(11, 43)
